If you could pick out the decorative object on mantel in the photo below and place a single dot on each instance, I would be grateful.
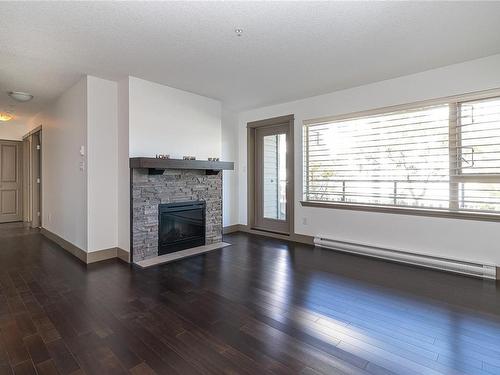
(162, 156)
(189, 157)
(213, 159)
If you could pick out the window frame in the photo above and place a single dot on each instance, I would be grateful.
(454, 103)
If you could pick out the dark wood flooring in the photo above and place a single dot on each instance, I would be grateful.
(261, 306)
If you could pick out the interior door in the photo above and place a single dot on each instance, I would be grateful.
(272, 192)
(10, 181)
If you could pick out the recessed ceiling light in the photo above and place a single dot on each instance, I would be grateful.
(5, 116)
(238, 31)
(20, 96)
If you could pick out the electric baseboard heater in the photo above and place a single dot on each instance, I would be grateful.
(487, 271)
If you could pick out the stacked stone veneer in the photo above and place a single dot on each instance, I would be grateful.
(148, 191)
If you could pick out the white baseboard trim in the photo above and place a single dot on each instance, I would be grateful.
(100, 255)
(231, 229)
(82, 255)
(68, 246)
(123, 254)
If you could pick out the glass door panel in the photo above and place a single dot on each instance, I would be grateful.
(274, 176)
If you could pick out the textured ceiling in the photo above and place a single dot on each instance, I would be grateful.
(287, 51)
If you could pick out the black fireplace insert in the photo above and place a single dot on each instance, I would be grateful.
(181, 226)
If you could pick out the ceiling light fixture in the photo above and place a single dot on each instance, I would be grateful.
(4, 116)
(20, 96)
(238, 31)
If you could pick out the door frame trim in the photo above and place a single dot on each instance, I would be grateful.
(251, 138)
(33, 131)
(36, 187)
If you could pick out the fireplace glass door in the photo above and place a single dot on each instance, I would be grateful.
(181, 226)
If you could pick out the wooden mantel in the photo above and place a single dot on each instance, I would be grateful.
(159, 165)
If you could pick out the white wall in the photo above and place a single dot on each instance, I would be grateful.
(64, 184)
(230, 178)
(79, 199)
(102, 159)
(164, 120)
(469, 240)
(13, 131)
(123, 166)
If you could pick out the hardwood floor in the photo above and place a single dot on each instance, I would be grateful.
(260, 306)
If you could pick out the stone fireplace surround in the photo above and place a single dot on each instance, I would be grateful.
(174, 185)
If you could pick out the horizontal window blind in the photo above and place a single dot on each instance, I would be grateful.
(477, 165)
(444, 156)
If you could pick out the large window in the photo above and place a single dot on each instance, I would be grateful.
(444, 157)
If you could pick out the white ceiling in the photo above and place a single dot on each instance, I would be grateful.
(288, 50)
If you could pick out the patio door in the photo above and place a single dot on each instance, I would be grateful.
(272, 170)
